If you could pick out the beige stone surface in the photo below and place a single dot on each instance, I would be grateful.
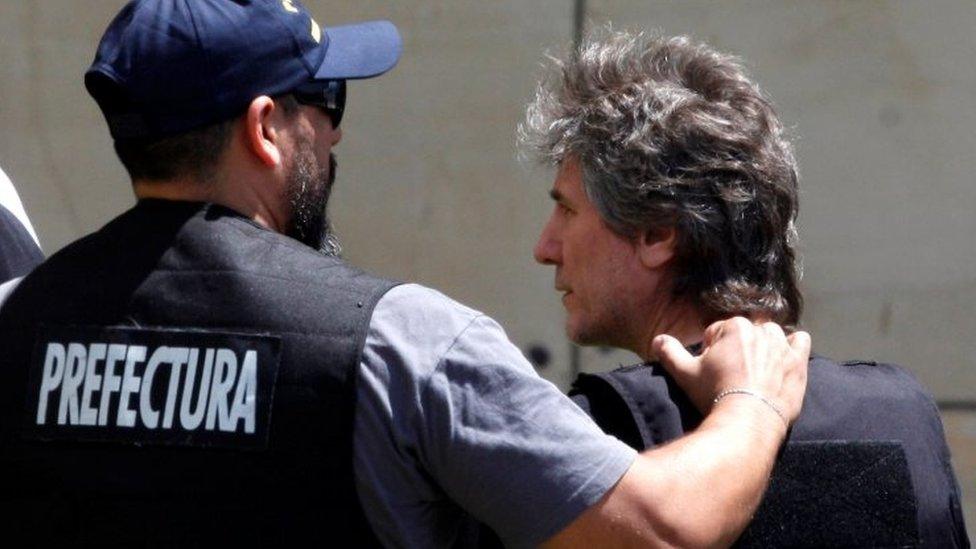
(53, 142)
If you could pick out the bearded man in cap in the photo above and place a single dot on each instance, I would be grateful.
(204, 369)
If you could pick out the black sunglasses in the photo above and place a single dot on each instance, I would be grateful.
(330, 96)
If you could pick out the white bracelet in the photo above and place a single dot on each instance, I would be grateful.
(750, 392)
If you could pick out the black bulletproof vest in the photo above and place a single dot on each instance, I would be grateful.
(865, 465)
(267, 463)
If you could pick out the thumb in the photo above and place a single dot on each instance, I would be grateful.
(800, 343)
(674, 357)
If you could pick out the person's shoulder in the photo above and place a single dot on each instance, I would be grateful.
(420, 298)
(415, 305)
(868, 378)
(10, 200)
(19, 253)
(857, 399)
(423, 329)
(413, 312)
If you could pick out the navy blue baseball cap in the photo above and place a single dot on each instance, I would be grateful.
(164, 67)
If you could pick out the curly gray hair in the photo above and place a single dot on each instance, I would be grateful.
(670, 133)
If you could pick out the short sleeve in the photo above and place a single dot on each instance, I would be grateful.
(452, 420)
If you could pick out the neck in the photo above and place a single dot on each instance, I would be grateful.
(678, 319)
(172, 189)
(244, 199)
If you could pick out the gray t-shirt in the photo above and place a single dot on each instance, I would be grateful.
(452, 420)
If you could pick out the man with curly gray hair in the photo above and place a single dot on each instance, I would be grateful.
(676, 202)
(676, 146)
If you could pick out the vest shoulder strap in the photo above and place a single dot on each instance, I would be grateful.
(639, 404)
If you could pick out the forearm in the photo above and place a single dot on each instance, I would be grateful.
(707, 485)
(698, 491)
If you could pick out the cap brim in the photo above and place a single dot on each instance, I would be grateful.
(361, 50)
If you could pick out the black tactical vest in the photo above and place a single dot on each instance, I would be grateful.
(865, 465)
(183, 377)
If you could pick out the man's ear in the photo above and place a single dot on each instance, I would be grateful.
(656, 247)
(261, 135)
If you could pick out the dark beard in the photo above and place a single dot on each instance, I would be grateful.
(309, 188)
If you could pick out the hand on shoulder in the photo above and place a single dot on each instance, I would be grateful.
(739, 357)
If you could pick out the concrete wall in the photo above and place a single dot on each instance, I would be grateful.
(880, 95)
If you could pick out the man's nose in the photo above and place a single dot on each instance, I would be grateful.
(546, 250)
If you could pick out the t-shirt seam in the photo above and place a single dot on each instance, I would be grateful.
(424, 382)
